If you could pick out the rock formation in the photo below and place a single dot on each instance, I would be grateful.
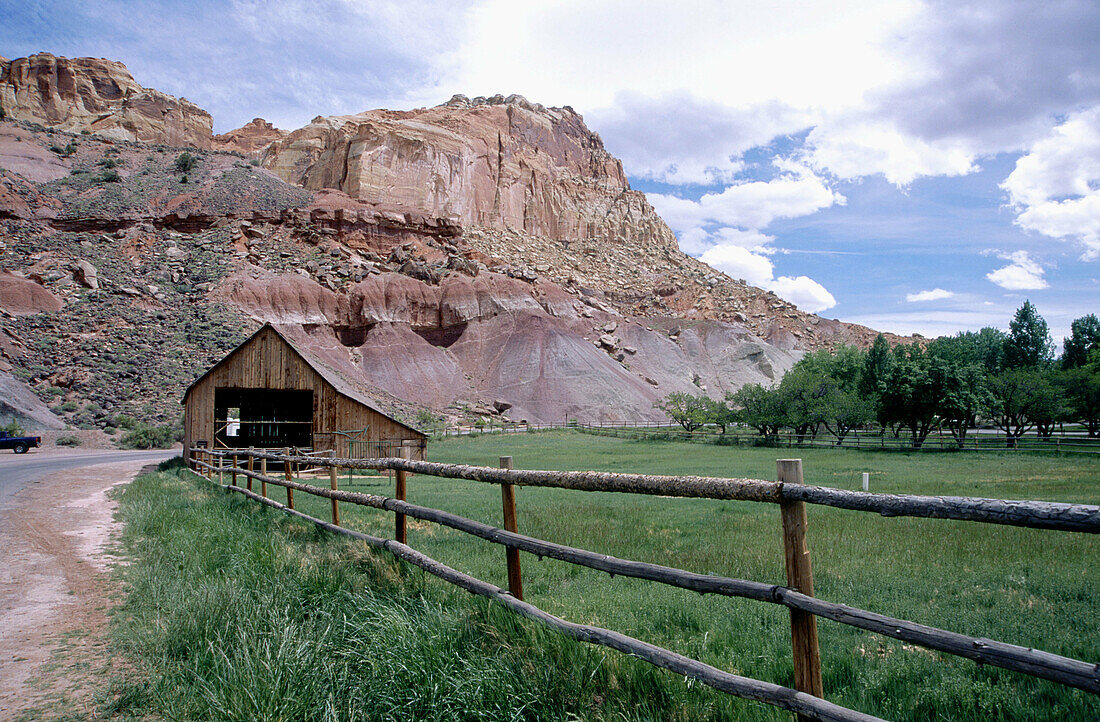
(498, 163)
(99, 96)
(480, 257)
(250, 138)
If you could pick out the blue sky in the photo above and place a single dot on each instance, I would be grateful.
(916, 166)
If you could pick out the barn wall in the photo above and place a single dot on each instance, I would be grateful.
(266, 361)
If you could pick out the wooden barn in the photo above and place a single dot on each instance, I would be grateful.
(277, 390)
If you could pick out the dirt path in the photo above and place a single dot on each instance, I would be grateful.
(54, 590)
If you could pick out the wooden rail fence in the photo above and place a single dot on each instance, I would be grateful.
(789, 493)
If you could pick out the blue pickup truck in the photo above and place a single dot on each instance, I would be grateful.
(19, 444)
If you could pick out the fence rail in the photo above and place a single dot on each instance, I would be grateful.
(798, 596)
(866, 440)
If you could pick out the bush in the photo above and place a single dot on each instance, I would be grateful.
(68, 440)
(70, 406)
(14, 428)
(144, 436)
(185, 162)
(109, 176)
(108, 163)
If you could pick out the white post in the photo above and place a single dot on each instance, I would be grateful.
(866, 481)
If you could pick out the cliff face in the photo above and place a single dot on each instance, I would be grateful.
(497, 163)
(250, 138)
(99, 96)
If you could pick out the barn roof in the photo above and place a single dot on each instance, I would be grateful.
(334, 367)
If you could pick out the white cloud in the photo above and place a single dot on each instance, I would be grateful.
(936, 294)
(757, 269)
(852, 150)
(1022, 274)
(680, 138)
(1056, 187)
(804, 292)
(798, 191)
(739, 262)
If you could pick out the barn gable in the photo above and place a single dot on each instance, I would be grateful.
(275, 390)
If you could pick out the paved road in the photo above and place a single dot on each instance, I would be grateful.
(17, 470)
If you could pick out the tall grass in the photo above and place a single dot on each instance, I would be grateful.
(234, 612)
(239, 607)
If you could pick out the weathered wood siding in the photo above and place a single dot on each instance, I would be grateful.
(266, 361)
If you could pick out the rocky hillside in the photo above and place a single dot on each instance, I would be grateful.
(479, 257)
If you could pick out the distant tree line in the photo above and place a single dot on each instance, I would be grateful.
(1012, 381)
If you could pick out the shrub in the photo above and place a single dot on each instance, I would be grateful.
(68, 440)
(183, 180)
(185, 162)
(144, 436)
(109, 176)
(108, 163)
(14, 428)
(70, 406)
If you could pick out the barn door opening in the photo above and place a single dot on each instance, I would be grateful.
(265, 418)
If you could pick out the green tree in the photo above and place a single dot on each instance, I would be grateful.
(985, 348)
(965, 395)
(1013, 397)
(1028, 344)
(1084, 336)
(688, 410)
(1081, 388)
(843, 410)
(913, 392)
(800, 395)
(759, 408)
(719, 414)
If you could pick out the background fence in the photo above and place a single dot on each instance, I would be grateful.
(788, 492)
(976, 439)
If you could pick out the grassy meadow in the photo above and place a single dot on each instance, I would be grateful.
(257, 605)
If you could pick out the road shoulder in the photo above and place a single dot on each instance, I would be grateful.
(55, 590)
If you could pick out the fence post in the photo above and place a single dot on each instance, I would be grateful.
(234, 472)
(332, 472)
(807, 657)
(263, 482)
(220, 465)
(508, 497)
(286, 473)
(251, 467)
(399, 524)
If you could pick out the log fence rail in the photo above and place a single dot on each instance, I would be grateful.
(789, 493)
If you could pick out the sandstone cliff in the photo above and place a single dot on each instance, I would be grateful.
(499, 163)
(99, 96)
(250, 138)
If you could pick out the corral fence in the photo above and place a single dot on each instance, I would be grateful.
(789, 493)
(868, 440)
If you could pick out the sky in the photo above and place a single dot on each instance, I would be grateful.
(919, 167)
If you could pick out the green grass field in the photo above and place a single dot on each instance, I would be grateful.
(1027, 587)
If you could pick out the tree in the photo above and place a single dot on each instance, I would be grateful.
(984, 348)
(759, 408)
(1014, 395)
(719, 414)
(1048, 406)
(1081, 388)
(687, 410)
(1084, 337)
(844, 410)
(913, 392)
(800, 396)
(1028, 344)
(966, 394)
